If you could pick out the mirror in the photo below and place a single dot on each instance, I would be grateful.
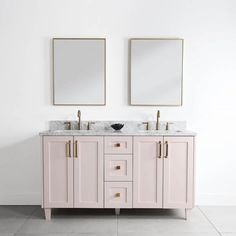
(156, 72)
(79, 71)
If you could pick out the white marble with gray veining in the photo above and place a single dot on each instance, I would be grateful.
(131, 128)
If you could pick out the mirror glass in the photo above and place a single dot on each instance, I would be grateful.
(79, 70)
(156, 72)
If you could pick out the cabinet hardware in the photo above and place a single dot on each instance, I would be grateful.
(76, 149)
(117, 167)
(117, 195)
(166, 149)
(159, 144)
(69, 148)
(117, 145)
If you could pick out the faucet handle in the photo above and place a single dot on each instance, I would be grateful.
(89, 125)
(168, 125)
(68, 124)
(147, 125)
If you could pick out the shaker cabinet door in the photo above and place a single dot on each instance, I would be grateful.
(58, 171)
(88, 172)
(147, 173)
(178, 172)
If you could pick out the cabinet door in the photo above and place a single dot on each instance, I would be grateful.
(58, 171)
(178, 172)
(148, 164)
(88, 172)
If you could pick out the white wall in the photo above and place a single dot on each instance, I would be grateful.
(209, 30)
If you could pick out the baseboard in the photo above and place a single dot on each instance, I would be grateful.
(216, 199)
(20, 199)
(35, 199)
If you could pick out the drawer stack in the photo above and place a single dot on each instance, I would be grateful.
(118, 172)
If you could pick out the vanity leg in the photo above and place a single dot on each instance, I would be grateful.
(185, 213)
(47, 212)
(117, 211)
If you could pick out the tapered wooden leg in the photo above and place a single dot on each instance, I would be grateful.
(47, 212)
(117, 211)
(186, 214)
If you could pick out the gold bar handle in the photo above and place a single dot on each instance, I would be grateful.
(67, 149)
(117, 167)
(160, 152)
(166, 149)
(76, 149)
(69, 143)
(117, 145)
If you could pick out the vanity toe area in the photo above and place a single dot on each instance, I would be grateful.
(126, 169)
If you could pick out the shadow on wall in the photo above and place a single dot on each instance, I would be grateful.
(20, 172)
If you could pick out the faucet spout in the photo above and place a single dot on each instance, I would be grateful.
(79, 119)
(158, 120)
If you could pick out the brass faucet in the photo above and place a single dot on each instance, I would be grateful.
(79, 119)
(158, 120)
(147, 125)
(89, 125)
(68, 125)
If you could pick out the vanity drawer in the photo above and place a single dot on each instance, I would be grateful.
(118, 167)
(118, 145)
(118, 194)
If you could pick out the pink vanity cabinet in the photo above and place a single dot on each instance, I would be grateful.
(118, 172)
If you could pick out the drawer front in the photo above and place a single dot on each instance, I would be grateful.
(118, 167)
(118, 145)
(118, 194)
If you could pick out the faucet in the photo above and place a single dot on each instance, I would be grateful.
(79, 119)
(89, 125)
(68, 125)
(158, 120)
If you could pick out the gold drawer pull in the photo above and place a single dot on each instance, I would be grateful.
(117, 167)
(68, 151)
(117, 145)
(159, 149)
(117, 195)
(76, 149)
(166, 149)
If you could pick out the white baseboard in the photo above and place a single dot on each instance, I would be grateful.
(35, 199)
(20, 199)
(216, 199)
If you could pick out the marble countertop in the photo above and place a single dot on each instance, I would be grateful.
(117, 133)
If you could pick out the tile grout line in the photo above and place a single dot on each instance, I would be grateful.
(27, 218)
(209, 220)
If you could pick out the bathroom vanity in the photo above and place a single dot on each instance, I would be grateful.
(107, 169)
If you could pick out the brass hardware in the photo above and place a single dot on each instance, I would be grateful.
(69, 148)
(76, 149)
(68, 124)
(89, 125)
(117, 167)
(159, 143)
(117, 145)
(147, 125)
(117, 195)
(158, 120)
(168, 125)
(79, 119)
(166, 149)
(53, 72)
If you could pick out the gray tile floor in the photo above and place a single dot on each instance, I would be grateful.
(202, 221)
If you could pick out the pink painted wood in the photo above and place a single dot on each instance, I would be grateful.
(118, 145)
(118, 167)
(179, 173)
(118, 194)
(88, 172)
(147, 172)
(58, 172)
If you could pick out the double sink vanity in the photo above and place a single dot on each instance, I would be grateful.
(97, 167)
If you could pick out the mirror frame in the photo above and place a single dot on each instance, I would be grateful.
(130, 76)
(53, 72)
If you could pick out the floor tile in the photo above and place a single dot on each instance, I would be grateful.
(223, 217)
(16, 211)
(228, 234)
(10, 226)
(164, 222)
(71, 221)
(167, 234)
(66, 234)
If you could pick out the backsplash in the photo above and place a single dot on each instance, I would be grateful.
(106, 125)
